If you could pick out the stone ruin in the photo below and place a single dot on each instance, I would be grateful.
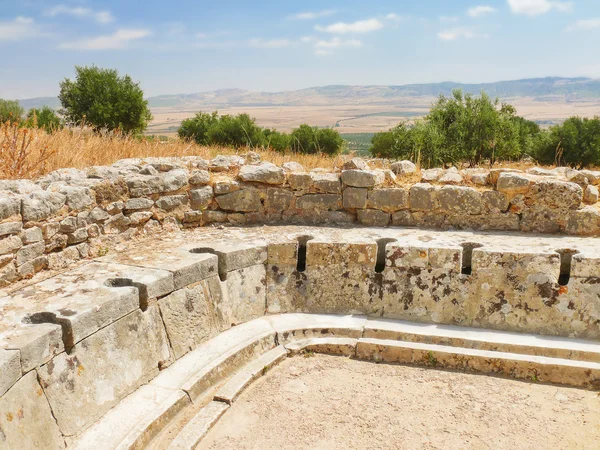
(176, 304)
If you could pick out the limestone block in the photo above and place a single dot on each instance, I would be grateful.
(137, 204)
(590, 194)
(593, 176)
(174, 180)
(264, 172)
(554, 194)
(247, 200)
(9, 206)
(356, 163)
(26, 420)
(423, 197)
(189, 317)
(320, 202)
(459, 199)
(354, 198)
(214, 216)
(104, 368)
(292, 166)
(300, 181)
(543, 221)
(278, 199)
(171, 202)
(450, 177)
(583, 222)
(512, 183)
(41, 205)
(222, 163)
(140, 217)
(10, 369)
(431, 175)
(10, 228)
(403, 167)
(77, 198)
(31, 235)
(495, 201)
(225, 186)
(388, 200)
(30, 252)
(373, 217)
(326, 183)
(199, 178)
(362, 178)
(10, 244)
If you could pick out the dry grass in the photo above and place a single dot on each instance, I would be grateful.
(29, 153)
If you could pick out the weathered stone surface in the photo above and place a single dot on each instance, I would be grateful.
(431, 175)
(222, 163)
(226, 186)
(593, 176)
(495, 201)
(451, 177)
(32, 235)
(77, 236)
(137, 204)
(26, 420)
(356, 164)
(247, 200)
(10, 244)
(139, 218)
(373, 217)
(199, 177)
(460, 199)
(116, 224)
(403, 167)
(88, 382)
(278, 199)
(171, 202)
(354, 198)
(320, 202)
(9, 206)
(292, 166)
(201, 198)
(264, 172)
(512, 183)
(362, 178)
(10, 228)
(590, 194)
(30, 252)
(583, 222)
(174, 180)
(388, 200)
(554, 194)
(41, 205)
(189, 318)
(10, 370)
(77, 198)
(326, 183)
(423, 197)
(300, 181)
(214, 216)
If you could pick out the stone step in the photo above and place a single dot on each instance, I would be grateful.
(328, 345)
(291, 327)
(134, 421)
(482, 339)
(528, 367)
(236, 384)
(193, 432)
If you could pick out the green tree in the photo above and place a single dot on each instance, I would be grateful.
(104, 100)
(45, 118)
(238, 131)
(328, 141)
(10, 110)
(196, 128)
(279, 142)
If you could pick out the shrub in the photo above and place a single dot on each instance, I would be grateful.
(45, 118)
(10, 111)
(238, 131)
(302, 139)
(279, 142)
(328, 141)
(104, 100)
(307, 139)
(196, 128)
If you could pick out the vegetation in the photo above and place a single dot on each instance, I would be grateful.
(360, 143)
(10, 111)
(104, 100)
(242, 131)
(464, 128)
(45, 118)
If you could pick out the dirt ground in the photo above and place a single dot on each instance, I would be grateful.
(327, 402)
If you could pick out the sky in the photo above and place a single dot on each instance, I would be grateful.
(173, 47)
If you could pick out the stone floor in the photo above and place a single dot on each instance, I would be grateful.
(327, 402)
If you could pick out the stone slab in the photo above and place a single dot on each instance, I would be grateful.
(328, 345)
(291, 327)
(26, 421)
(10, 369)
(196, 429)
(104, 368)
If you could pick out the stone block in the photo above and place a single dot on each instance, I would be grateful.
(354, 198)
(10, 369)
(590, 194)
(403, 167)
(30, 252)
(199, 178)
(10, 244)
(264, 172)
(138, 204)
(278, 199)
(32, 235)
(554, 194)
(362, 178)
(10, 228)
(460, 200)
(388, 200)
(171, 202)
(326, 183)
(10, 206)
(320, 202)
(423, 197)
(583, 222)
(41, 205)
(300, 181)
(373, 217)
(495, 201)
(512, 183)
(247, 200)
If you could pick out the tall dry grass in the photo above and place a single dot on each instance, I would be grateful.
(31, 152)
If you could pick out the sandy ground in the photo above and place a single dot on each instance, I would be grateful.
(326, 403)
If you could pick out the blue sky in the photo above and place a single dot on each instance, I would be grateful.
(191, 46)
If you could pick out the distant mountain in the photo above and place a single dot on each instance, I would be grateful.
(551, 88)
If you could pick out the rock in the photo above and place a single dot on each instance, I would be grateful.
(174, 180)
(278, 199)
(149, 170)
(77, 236)
(423, 197)
(495, 174)
(590, 194)
(171, 202)
(431, 175)
(541, 172)
(575, 176)
(292, 166)
(356, 164)
(10, 228)
(362, 178)
(199, 178)
(301, 181)
(10, 244)
(251, 158)
(192, 216)
(9, 206)
(222, 163)
(554, 194)
(102, 172)
(583, 222)
(495, 201)
(480, 179)
(389, 200)
(460, 200)
(19, 186)
(214, 216)
(140, 218)
(137, 204)
(265, 172)
(116, 224)
(66, 174)
(451, 177)
(593, 176)
(30, 252)
(326, 183)
(403, 167)
(41, 205)
(512, 183)
(115, 208)
(200, 198)
(247, 200)
(98, 215)
(69, 224)
(354, 198)
(373, 217)
(319, 202)
(226, 186)
(56, 242)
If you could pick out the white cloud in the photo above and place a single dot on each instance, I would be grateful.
(361, 26)
(115, 41)
(481, 10)
(18, 29)
(78, 11)
(313, 15)
(326, 47)
(449, 19)
(537, 7)
(459, 33)
(269, 43)
(585, 24)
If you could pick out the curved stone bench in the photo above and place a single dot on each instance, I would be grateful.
(108, 354)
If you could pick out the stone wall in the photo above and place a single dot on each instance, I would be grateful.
(52, 220)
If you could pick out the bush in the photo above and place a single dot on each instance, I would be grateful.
(238, 131)
(10, 111)
(196, 128)
(45, 118)
(279, 142)
(104, 100)
(307, 139)
(328, 141)
(575, 143)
